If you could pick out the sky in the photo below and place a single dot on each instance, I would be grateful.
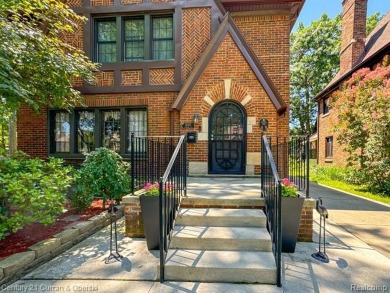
(313, 9)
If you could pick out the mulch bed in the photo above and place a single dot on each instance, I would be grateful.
(31, 234)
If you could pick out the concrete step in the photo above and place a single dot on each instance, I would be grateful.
(221, 217)
(221, 238)
(220, 266)
(231, 202)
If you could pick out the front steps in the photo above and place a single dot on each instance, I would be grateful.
(220, 245)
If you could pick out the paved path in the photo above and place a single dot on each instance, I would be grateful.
(353, 266)
(365, 219)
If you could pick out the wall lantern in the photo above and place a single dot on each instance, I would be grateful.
(196, 118)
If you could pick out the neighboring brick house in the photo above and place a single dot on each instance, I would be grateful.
(357, 51)
(173, 67)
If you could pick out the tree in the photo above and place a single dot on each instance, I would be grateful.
(363, 123)
(36, 65)
(314, 61)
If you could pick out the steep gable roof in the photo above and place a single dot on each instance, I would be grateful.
(376, 43)
(227, 26)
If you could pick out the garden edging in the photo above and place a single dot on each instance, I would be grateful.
(18, 264)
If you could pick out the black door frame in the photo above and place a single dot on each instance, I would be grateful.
(213, 110)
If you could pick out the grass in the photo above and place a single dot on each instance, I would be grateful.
(333, 177)
(354, 189)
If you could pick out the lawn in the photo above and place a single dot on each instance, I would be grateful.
(361, 190)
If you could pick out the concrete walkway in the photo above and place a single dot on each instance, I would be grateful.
(365, 219)
(353, 266)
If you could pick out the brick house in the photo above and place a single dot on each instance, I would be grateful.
(357, 51)
(174, 67)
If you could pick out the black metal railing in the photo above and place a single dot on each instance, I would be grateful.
(173, 185)
(149, 158)
(271, 188)
(292, 157)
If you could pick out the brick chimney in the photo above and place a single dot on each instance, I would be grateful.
(353, 32)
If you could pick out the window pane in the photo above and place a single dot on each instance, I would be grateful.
(111, 130)
(106, 31)
(162, 38)
(137, 120)
(134, 39)
(106, 41)
(85, 131)
(61, 132)
(106, 53)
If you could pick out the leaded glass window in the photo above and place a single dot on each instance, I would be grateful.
(61, 132)
(106, 40)
(137, 120)
(85, 131)
(162, 44)
(112, 130)
(134, 39)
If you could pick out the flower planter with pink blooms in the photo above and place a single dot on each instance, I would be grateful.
(292, 206)
(149, 202)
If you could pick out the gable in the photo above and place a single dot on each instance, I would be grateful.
(228, 27)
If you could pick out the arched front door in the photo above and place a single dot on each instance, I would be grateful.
(227, 139)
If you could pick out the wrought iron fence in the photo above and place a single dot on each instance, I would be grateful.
(162, 160)
(271, 188)
(172, 187)
(149, 158)
(292, 157)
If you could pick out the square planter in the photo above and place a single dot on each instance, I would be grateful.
(291, 219)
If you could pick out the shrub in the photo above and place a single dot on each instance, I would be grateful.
(31, 190)
(103, 174)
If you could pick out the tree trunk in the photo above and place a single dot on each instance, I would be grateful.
(12, 134)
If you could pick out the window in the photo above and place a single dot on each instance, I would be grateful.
(147, 37)
(134, 39)
(137, 125)
(112, 130)
(61, 132)
(162, 38)
(329, 147)
(85, 131)
(326, 106)
(81, 131)
(106, 40)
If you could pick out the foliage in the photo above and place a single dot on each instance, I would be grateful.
(153, 189)
(345, 179)
(103, 174)
(363, 123)
(31, 190)
(289, 189)
(36, 65)
(314, 61)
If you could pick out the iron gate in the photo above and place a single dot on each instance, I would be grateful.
(227, 139)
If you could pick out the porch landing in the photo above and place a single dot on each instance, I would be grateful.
(225, 192)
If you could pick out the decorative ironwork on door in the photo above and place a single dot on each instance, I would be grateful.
(227, 139)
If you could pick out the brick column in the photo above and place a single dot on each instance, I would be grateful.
(305, 233)
(133, 217)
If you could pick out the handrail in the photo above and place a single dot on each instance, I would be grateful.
(171, 187)
(271, 188)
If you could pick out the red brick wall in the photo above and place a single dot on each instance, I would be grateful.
(325, 129)
(32, 132)
(196, 35)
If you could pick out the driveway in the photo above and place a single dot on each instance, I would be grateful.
(367, 220)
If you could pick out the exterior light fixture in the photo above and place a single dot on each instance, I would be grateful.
(196, 118)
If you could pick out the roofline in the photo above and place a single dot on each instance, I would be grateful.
(331, 88)
(227, 25)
